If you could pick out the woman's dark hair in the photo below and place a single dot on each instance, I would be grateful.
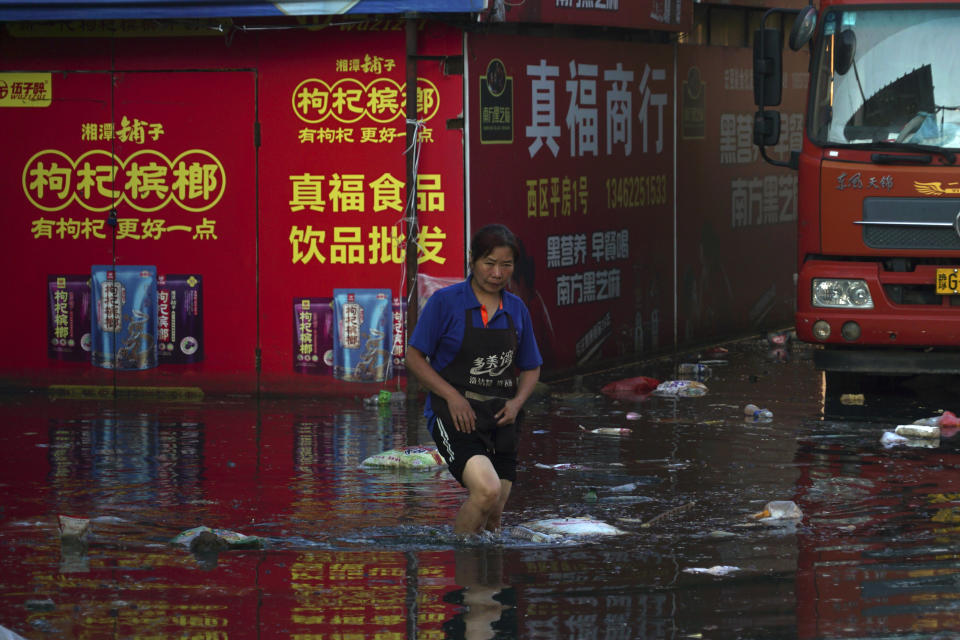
(488, 238)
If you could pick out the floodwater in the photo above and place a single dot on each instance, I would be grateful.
(350, 553)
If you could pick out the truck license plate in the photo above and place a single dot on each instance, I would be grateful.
(948, 282)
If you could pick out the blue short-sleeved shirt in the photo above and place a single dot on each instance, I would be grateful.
(439, 330)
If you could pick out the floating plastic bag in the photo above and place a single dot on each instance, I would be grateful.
(231, 539)
(716, 570)
(608, 431)
(780, 510)
(422, 457)
(681, 389)
(553, 529)
(637, 386)
(918, 431)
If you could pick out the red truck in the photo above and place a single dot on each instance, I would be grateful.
(878, 241)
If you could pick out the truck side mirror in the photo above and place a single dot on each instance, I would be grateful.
(766, 128)
(767, 67)
(803, 26)
(846, 49)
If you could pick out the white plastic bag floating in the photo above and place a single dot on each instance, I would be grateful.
(681, 389)
(715, 570)
(231, 539)
(608, 431)
(553, 529)
(420, 457)
(780, 510)
(918, 431)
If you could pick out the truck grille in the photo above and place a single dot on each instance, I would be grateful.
(911, 223)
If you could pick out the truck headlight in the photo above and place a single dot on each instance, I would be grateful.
(841, 293)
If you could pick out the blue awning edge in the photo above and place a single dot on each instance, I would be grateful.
(14, 11)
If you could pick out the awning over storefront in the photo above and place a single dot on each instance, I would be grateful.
(12, 10)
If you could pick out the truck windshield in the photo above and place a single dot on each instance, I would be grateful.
(887, 75)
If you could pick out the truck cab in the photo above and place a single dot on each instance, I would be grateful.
(878, 242)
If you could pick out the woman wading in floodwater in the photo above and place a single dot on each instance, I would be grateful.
(483, 365)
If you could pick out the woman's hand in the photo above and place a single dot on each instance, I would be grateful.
(508, 414)
(464, 417)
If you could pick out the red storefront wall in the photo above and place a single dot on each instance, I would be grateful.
(255, 173)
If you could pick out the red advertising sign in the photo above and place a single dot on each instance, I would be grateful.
(571, 146)
(662, 15)
(139, 174)
(335, 202)
(205, 228)
(738, 210)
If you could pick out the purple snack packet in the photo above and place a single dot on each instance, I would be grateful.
(399, 351)
(68, 317)
(313, 336)
(179, 318)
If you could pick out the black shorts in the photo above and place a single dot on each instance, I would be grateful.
(499, 444)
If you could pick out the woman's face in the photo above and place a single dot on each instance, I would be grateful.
(492, 272)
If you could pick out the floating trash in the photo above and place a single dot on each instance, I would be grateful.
(637, 388)
(716, 570)
(420, 457)
(694, 371)
(556, 529)
(890, 439)
(562, 466)
(215, 540)
(681, 389)
(780, 510)
(74, 529)
(608, 431)
(918, 431)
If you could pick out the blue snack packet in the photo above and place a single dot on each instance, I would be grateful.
(363, 340)
(124, 323)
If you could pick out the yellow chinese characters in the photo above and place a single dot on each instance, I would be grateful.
(369, 64)
(349, 192)
(127, 228)
(350, 100)
(136, 131)
(146, 180)
(555, 196)
(383, 245)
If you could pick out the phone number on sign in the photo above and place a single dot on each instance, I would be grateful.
(636, 191)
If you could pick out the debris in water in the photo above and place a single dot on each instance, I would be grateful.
(608, 431)
(918, 431)
(420, 457)
(553, 529)
(562, 466)
(215, 540)
(780, 510)
(716, 570)
(668, 513)
(681, 389)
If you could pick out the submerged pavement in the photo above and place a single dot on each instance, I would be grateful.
(340, 550)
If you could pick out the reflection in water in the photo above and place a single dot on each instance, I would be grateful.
(488, 604)
(353, 552)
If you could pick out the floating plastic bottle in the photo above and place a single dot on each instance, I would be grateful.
(755, 412)
(385, 398)
(694, 371)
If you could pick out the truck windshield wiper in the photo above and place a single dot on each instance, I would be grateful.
(882, 158)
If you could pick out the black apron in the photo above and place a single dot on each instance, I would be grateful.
(484, 372)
